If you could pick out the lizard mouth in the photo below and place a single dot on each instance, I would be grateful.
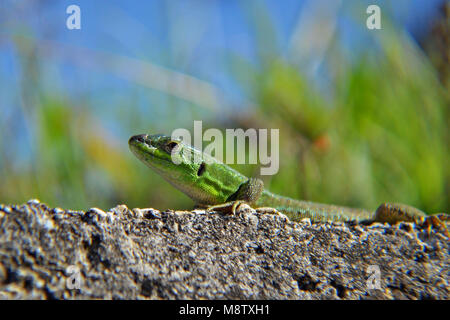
(141, 145)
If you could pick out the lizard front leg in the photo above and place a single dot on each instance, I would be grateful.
(247, 193)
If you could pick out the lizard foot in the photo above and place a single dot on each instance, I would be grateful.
(227, 207)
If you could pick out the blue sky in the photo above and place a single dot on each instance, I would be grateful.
(193, 37)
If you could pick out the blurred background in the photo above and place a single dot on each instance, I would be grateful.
(363, 114)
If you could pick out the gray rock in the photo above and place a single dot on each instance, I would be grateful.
(51, 253)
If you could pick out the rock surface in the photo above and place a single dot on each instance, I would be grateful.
(48, 253)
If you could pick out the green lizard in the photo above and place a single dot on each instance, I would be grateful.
(216, 186)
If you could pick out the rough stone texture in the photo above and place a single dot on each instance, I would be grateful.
(145, 253)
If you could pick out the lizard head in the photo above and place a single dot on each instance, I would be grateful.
(196, 174)
(165, 155)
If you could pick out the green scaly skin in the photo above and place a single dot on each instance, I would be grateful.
(214, 185)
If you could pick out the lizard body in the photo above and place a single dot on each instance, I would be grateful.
(213, 184)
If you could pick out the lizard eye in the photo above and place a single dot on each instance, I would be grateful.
(170, 146)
